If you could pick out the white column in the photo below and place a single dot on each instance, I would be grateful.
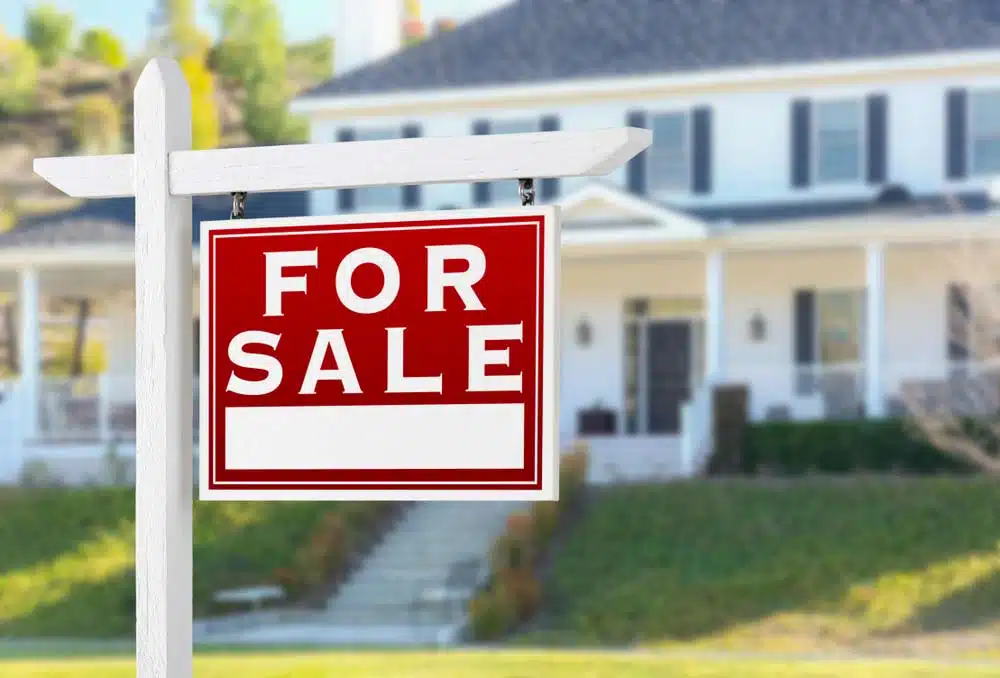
(875, 329)
(163, 281)
(31, 349)
(715, 302)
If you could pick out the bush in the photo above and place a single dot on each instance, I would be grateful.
(18, 77)
(102, 46)
(491, 614)
(794, 448)
(521, 589)
(97, 124)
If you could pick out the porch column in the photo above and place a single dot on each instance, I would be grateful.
(715, 303)
(875, 332)
(31, 349)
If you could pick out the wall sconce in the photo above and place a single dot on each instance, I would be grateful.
(758, 327)
(584, 333)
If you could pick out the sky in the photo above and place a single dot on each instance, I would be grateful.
(303, 19)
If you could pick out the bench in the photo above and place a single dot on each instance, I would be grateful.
(459, 585)
(255, 596)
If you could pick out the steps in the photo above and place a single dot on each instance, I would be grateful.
(417, 557)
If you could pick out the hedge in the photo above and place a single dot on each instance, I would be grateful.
(861, 445)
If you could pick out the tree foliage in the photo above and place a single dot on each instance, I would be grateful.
(18, 75)
(252, 51)
(204, 112)
(182, 29)
(103, 46)
(97, 124)
(49, 31)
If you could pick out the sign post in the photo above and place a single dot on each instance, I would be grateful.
(396, 358)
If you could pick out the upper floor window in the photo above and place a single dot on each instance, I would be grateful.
(669, 155)
(839, 133)
(377, 197)
(984, 132)
(503, 192)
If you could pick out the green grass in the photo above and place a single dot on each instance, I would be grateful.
(496, 665)
(870, 565)
(68, 556)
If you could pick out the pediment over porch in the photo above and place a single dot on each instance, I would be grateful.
(603, 208)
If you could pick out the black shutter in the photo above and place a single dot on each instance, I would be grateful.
(956, 131)
(549, 186)
(701, 172)
(878, 139)
(636, 170)
(411, 193)
(481, 190)
(801, 153)
(804, 338)
(345, 196)
(958, 322)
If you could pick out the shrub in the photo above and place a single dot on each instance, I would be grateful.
(794, 448)
(102, 46)
(18, 77)
(491, 614)
(97, 124)
(511, 552)
(325, 556)
(544, 521)
(521, 589)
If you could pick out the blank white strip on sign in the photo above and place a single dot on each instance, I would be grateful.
(376, 437)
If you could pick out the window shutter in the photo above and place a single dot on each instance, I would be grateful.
(411, 193)
(957, 322)
(481, 190)
(804, 328)
(957, 134)
(345, 196)
(636, 170)
(549, 186)
(701, 171)
(878, 139)
(801, 157)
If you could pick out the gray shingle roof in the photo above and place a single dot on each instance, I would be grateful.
(532, 41)
(112, 221)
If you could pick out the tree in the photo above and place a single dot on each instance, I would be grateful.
(49, 32)
(182, 29)
(204, 112)
(18, 75)
(252, 50)
(103, 46)
(960, 414)
(97, 124)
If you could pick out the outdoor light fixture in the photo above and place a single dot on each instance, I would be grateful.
(758, 327)
(584, 333)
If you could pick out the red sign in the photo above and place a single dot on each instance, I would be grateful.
(408, 356)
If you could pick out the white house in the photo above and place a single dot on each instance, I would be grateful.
(814, 168)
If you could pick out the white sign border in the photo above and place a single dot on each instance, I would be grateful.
(549, 361)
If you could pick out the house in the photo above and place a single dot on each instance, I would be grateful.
(814, 167)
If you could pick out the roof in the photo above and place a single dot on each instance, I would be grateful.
(112, 221)
(532, 41)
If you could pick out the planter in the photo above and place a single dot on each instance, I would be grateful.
(597, 421)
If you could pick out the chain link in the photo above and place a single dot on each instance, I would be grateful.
(526, 190)
(239, 205)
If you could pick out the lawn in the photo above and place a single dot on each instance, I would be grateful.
(867, 565)
(503, 664)
(68, 555)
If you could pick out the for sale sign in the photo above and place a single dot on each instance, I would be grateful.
(407, 356)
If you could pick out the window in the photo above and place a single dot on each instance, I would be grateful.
(377, 197)
(984, 132)
(669, 155)
(839, 148)
(506, 191)
(840, 326)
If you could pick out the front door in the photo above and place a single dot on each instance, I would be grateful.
(668, 374)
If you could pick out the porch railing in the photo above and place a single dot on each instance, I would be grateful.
(696, 430)
(93, 407)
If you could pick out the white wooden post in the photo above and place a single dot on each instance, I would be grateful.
(162, 174)
(163, 362)
(31, 350)
(875, 325)
(715, 309)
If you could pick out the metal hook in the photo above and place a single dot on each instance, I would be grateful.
(239, 205)
(526, 191)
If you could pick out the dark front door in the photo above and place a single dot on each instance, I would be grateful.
(668, 374)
